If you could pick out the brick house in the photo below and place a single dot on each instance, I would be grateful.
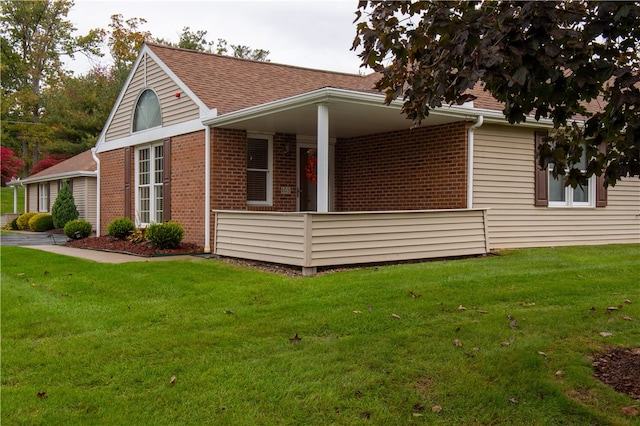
(310, 168)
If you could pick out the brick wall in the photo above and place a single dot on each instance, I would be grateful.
(187, 184)
(422, 168)
(111, 187)
(229, 171)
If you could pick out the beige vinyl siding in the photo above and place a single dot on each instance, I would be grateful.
(150, 75)
(326, 239)
(85, 197)
(504, 182)
(32, 197)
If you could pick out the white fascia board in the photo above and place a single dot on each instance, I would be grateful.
(204, 110)
(152, 135)
(116, 105)
(57, 176)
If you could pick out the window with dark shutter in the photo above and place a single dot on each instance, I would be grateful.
(258, 171)
(540, 175)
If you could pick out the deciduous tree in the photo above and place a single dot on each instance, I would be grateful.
(539, 58)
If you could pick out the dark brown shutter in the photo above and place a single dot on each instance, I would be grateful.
(541, 176)
(166, 179)
(601, 190)
(127, 182)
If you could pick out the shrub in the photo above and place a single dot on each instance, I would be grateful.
(121, 227)
(23, 220)
(165, 235)
(14, 224)
(77, 229)
(138, 236)
(41, 222)
(64, 208)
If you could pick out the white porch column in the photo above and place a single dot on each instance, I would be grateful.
(15, 199)
(323, 158)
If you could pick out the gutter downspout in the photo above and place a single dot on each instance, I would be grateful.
(471, 130)
(97, 160)
(207, 190)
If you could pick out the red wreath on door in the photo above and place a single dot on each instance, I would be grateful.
(310, 169)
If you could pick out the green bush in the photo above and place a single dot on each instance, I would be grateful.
(23, 220)
(64, 208)
(77, 229)
(121, 227)
(41, 222)
(165, 235)
(14, 224)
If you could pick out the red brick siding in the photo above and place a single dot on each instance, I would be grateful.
(229, 171)
(423, 168)
(187, 184)
(111, 187)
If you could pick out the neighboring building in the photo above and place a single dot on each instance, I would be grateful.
(310, 168)
(80, 171)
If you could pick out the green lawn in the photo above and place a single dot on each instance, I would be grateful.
(6, 200)
(201, 342)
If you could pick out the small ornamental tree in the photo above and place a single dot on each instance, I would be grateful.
(10, 165)
(64, 209)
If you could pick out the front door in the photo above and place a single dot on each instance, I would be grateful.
(307, 179)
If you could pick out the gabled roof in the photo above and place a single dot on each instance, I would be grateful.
(230, 84)
(82, 164)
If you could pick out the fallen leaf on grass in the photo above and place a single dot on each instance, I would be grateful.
(606, 334)
(295, 339)
(42, 395)
(513, 400)
(436, 409)
(592, 309)
(627, 301)
(396, 316)
(626, 318)
(172, 381)
(612, 308)
(357, 312)
(414, 295)
(418, 406)
(457, 342)
(228, 312)
(480, 311)
(559, 373)
(542, 353)
(462, 308)
(513, 324)
(505, 343)
(417, 414)
(631, 410)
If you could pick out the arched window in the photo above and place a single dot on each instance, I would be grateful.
(147, 112)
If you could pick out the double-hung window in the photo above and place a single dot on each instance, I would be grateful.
(149, 184)
(566, 196)
(259, 170)
(43, 197)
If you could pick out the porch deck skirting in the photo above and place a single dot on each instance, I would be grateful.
(311, 240)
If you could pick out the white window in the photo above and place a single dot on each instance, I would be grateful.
(259, 170)
(43, 197)
(566, 196)
(147, 111)
(149, 184)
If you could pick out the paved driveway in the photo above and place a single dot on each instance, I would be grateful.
(32, 239)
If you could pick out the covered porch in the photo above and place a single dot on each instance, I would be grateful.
(383, 191)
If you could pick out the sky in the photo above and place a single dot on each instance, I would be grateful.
(308, 33)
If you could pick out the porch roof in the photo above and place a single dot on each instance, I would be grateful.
(351, 113)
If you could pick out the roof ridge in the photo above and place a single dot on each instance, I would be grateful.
(269, 63)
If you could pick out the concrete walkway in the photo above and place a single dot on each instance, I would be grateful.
(52, 244)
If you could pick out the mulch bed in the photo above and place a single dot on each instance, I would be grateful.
(109, 243)
(620, 369)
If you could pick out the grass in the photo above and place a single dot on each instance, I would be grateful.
(88, 343)
(6, 200)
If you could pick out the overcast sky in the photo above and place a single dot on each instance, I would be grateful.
(309, 33)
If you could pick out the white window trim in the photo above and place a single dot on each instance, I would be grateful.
(152, 199)
(43, 197)
(269, 138)
(568, 194)
(133, 114)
